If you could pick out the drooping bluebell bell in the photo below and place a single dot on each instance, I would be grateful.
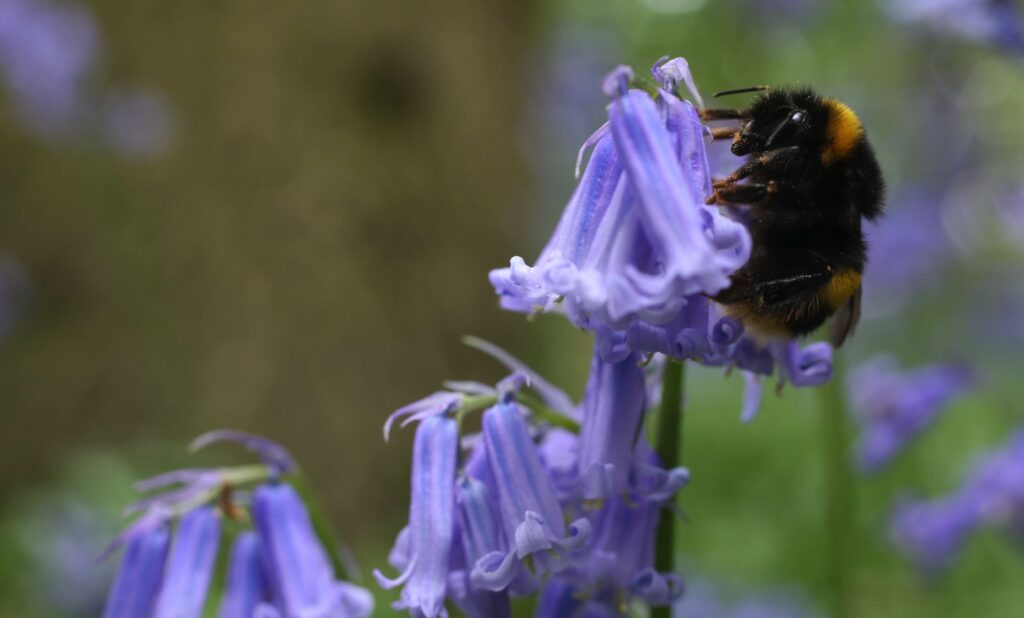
(135, 590)
(189, 568)
(480, 535)
(431, 520)
(246, 585)
(994, 22)
(893, 407)
(531, 516)
(300, 576)
(613, 406)
(932, 532)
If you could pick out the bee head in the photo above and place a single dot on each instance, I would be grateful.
(781, 118)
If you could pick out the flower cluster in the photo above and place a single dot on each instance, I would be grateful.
(637, 252)
(532, 506)
(278, 569)
(932, 532)
(894, 407)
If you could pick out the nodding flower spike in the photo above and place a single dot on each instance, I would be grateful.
(190, 566)
(138, 580)
(246, 585)
(272, 454)
(431, 520)
(530, 513)
(613, 406)
(441, 402)
(300, 576)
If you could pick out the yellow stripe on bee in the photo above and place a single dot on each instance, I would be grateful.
(839, 289)
(844, 131)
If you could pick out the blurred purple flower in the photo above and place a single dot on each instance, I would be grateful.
(909, 252)
(47, 52)
(189, 568)
(893, 407)
(431, 521)
(300, 576)
(993, 22)
(246, 585)
(139, 123)
(932, 532)
(135, 590)
(49, 62)
(706, 600)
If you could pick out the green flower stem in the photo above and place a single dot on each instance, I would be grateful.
(838, 494)
(669, 448)
(546, 414)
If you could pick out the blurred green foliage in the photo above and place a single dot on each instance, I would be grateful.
(343, 175)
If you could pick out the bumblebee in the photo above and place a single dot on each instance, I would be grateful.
(809, 180)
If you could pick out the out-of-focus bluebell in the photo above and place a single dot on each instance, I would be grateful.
(992, 22)
(894, 406)
(932, 532)
(279, 571)
(189, 568)
(910, 250)
(49, 63)
(704, 599)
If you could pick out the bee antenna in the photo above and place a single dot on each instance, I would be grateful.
(741, 90)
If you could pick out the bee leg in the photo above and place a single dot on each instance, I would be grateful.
(760, 163)
(742, 194)
(722, 114)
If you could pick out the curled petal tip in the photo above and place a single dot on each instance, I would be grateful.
(616, 83)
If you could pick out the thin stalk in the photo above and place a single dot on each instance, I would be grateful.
(321, 525)
(839, 497)
(669, 448)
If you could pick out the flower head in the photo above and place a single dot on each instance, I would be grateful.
(894, 407)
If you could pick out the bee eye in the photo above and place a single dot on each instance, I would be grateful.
(797, 117)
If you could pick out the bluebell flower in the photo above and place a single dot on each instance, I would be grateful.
(613, 407)
(300, 576)
(932, 532)
(531, 516)
(636, 237)
(704, 599)
(134, 592)
(893, 407)
(189, 568)
(480, 534)
(431, 520)
(246, 585)
(994, 22)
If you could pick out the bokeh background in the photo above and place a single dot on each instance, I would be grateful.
(279, 217)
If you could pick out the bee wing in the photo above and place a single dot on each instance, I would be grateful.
(845, 320)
